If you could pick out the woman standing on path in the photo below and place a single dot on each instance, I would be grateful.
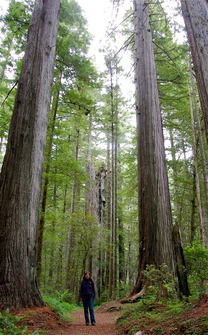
(87, 294)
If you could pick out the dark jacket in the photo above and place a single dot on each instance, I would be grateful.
(87, 288)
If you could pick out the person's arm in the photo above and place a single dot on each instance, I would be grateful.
(80, 291)
(93, 288)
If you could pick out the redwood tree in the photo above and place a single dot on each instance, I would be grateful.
(156, 242)
(22, 167)
(195, 14)
(158, 245)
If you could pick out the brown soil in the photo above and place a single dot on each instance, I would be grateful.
(44, 319)
(105, 324)
(191, 321)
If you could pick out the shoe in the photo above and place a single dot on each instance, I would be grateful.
(87, 324)
(93, 324)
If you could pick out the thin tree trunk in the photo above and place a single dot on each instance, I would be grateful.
(195, 155)
(113, 198)
(92, 205)
(45, 189)
(100, 178)
(22, 168)
(53, 233)
(180, 260)
(108, 219)
(52, 254)
(193, 196)
(193, 225)
(71, 238)
(121, 248)
(59, 278)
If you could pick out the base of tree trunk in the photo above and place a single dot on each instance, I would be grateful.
(133, 297)
(11, 297)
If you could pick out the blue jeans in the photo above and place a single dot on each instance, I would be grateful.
(88, 303)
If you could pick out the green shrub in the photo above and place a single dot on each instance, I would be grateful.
(197, 266)
(159, 283)
(62, 308)
(67, 296)
(9, 325)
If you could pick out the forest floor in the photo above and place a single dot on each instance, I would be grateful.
(190, 321)
(46, 320)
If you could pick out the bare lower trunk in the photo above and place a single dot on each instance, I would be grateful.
(180, 260)
(22, 168)
(156, 244)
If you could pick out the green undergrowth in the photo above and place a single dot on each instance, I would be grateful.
(60, 306)
(9, 325)
(162, 318)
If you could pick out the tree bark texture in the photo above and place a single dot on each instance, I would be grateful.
(155, 221)
(202, 155)
(195, 14)
(180, 260)
(22, 167)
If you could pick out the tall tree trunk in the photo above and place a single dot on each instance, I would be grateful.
(113, 189)
(108, 212)
(203, 156)
(71, 238)
(195, 156)
(45, 188)
(60, 268)
(180, 260)
(195, 14)
(155, 221)
(100, 178)
(92, 206)
(51, 272)
(121, 244)
(193, 225)
(22, 168)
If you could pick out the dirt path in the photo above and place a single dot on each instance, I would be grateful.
(44, 319)
(105, 324)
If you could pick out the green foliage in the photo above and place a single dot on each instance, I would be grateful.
(61, 307)
(67, 296)
(9, 325)
(17, 22)
(159, 283)
(197, 266)
(146, 314)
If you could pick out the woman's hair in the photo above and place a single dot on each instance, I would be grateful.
(87, 272)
